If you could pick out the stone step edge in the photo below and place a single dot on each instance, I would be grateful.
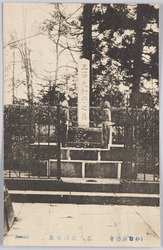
(72, 193)
(71, 180)
(84, 180)
(79, 148)
(85, 161)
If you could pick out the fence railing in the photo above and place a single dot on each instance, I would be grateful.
(24, 125)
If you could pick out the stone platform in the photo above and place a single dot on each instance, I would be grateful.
(93, 225)
(83, 191)
(81, 162)
(86, 169)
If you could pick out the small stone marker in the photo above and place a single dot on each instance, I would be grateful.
(83, 92)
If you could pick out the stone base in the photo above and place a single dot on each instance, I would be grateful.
(68, 169)
(86, 169)
(101, 170)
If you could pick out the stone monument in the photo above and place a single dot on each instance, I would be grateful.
(83, 92)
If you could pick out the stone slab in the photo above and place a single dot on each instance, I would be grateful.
(44, 152)
(68, 169)
(121, 154)
(101, 170)
(84, 155)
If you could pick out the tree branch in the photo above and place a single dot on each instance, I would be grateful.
(22, 39)
(67, 66)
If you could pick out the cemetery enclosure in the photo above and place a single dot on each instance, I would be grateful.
(30, 139)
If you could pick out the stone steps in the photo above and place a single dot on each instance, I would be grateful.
(83, 191)
(84, 197)
(82, 185)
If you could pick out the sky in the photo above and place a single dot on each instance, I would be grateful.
(31, 15)
(43, 60)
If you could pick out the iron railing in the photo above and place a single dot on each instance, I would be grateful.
(136, 129)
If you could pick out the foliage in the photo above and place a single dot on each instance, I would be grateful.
(124, 51)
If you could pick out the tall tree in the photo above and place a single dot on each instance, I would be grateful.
(124, 39)
(145, 15)
(62, 30)
(22, 59)
(87, 39)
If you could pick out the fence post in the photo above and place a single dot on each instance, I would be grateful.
(38, 160)
(58, 141)
(145, 134)
(48, 165)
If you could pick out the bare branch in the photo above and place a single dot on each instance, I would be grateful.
(67, 66)
(22, 39)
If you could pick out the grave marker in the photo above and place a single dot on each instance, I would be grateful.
(83, 92)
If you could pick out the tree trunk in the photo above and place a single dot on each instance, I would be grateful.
(13, 77)
(137, 58)
(87, 38)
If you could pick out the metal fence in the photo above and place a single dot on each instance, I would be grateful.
(136, 129)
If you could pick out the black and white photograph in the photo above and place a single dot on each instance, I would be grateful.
(81, 124)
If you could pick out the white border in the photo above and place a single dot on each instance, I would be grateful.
(160, 2)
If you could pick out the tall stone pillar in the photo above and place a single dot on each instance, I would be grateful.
(83, 92)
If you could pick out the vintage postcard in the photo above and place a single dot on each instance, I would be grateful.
(81, 125)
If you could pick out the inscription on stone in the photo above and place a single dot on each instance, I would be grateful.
(83, 92)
